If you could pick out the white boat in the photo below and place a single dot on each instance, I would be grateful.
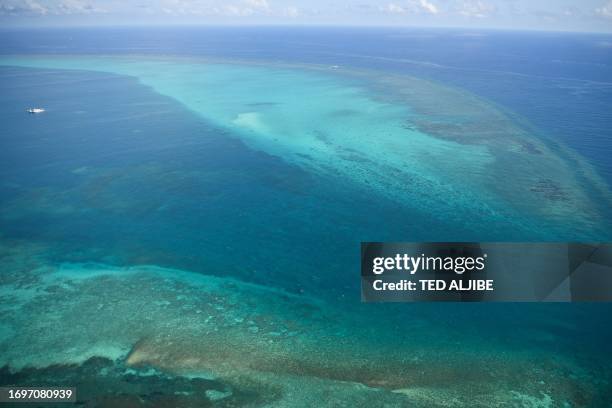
(35, 110)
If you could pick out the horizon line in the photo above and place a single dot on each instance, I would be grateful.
(293, 25)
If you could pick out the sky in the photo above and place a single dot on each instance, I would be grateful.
(557, 15)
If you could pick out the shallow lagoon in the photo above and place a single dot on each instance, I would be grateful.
(245, 216)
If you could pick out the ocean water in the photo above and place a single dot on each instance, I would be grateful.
(182, 225)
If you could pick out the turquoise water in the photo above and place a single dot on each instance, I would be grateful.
(187, 230)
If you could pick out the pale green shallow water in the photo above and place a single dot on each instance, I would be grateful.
(286, 350)
(432, 148)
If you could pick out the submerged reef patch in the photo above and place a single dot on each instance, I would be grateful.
(264, 346)
(438, 150)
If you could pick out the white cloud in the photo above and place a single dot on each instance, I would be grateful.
(238, 8)
(393, 8)
(23, 7)
(77, 7)
(428, 7)
(36, 7)
(236, 11)
(411, 7)
(184, 8)
(258, 4)
(292, 12)
(250, 8)
(33, 7)
(605, 10)
(475, 8)
(246, 8)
